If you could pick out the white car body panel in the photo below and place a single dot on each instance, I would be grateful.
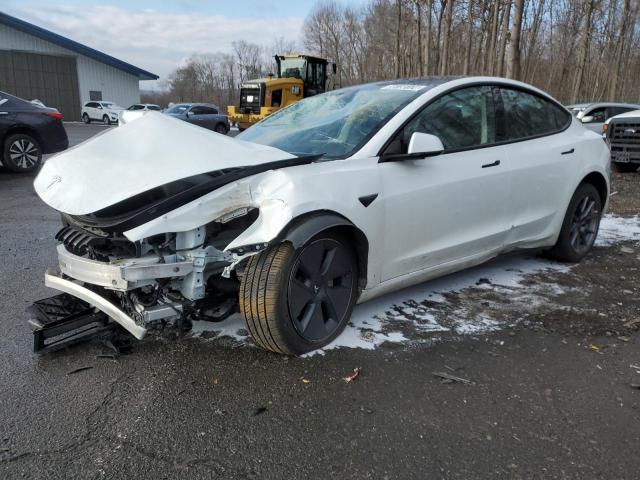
(432, 216)
(123, 162)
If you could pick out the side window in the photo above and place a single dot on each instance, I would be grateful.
(527, 115)
(202, 110)
(461, 119)
(276, 98)
(613, 111)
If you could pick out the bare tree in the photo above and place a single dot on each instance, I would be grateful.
(513, 68)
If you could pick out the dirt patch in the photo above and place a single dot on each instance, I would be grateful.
(627, 199)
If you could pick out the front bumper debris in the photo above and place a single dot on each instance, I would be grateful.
(63, 320)
(54, 279)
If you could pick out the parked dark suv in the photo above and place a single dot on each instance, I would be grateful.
(27, 131)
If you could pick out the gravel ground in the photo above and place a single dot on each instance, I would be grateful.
(551, 392)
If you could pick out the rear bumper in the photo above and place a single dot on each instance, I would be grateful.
(54, 279)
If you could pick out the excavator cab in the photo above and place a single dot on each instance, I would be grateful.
(311, 70)
(298, 77)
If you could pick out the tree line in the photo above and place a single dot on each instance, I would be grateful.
(577, 50)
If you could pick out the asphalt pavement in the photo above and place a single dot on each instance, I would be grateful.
(543, 401)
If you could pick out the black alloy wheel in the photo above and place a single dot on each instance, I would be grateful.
(584, 224)
(321, 289)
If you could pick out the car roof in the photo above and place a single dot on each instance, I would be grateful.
(604, 104)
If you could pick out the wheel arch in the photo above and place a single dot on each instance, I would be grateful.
(21, 129)
(303, 228)
(600, 183)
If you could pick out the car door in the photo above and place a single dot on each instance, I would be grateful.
(542, 161)
(203, 116)
(452, 206)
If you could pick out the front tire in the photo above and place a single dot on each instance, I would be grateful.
(580, 225)
(106, 120)
(295, 301)
(625, 167)
(22, 153)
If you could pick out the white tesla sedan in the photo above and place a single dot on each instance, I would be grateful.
(334, 200)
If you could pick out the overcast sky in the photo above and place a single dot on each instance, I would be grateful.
(160, 34)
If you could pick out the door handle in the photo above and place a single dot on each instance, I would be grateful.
(494, 164)
(568, 152)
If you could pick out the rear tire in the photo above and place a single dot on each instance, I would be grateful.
(625, 167)
(106, 120)
(86, 119)
(580, 225)
(221, 129)
(295, 301)
(22, 153)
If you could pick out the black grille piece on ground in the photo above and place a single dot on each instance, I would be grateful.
(63, 320)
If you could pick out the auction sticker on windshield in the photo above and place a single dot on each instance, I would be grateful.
(401, 86)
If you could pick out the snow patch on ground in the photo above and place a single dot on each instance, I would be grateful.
(383, 319)
(614, 229)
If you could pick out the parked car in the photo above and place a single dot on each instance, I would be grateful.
(622, 133)
(204, 115)
(593, 115)
(105, 112)
(27, 131)
(136, 111)
(334, 200)
(144, 107)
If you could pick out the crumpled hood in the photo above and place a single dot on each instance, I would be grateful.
(125, 161)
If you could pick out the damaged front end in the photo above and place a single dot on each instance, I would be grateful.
(150, 255)
(169, 278)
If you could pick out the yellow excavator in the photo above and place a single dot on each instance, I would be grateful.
(298, 77)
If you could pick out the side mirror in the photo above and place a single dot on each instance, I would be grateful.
(425, 144)
(587, 119)
(99, 107)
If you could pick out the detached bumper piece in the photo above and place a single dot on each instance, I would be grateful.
(64, 320)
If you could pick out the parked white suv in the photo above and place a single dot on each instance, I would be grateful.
(105, 112)
(136, 110)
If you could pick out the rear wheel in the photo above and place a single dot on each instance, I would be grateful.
(626, 167)
(295, 301)
(86, 119)
(221, 129)
(22, 153)
(106, 120)
(580, 225)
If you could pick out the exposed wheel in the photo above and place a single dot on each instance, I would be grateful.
(220, 128)
(295, 301)
(85, 118)
(580, 225)
(625, 167)
(22, 153)
(240, 129)
(106, 120)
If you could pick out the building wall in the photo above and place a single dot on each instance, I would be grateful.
(116, 85)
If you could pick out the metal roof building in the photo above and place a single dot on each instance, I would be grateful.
(62, 73)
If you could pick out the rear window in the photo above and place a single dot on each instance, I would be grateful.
(528, 115)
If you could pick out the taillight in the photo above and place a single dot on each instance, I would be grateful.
(57, 115)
